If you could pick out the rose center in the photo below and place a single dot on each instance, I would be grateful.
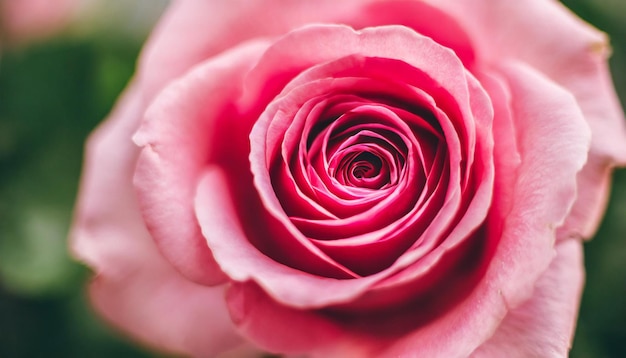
(366, 165)
(364, 159)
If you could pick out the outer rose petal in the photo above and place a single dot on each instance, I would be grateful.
(543, 326)
(254, 312)
(217, 25)
(512, 29)
(135, 288)
(178, 138)
(166, 57)
(594, 183)
(577, 61)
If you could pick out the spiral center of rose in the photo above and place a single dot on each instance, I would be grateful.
(360, 169)
(364, 160)
(365, 165)
(358, 151)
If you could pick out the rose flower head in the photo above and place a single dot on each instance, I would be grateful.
(395, 178)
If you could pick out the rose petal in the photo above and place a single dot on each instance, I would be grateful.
(135, 288)
(242, 261)
(578, 64)
(281, 329)
(544, 325)
(188, 125)
(106, 201)
(552, 139)
(594, 183)
(420, 16)
(166, 57)
(162, 309)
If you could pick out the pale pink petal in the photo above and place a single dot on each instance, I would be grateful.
(219, 24)
(529, 30)
(553, 140)
(281, 329)
(577, 60)
(135, 288)
(594, 186)
(106, 211)
(192, 122)
(426, 19)
(210, 27)
(163, 310)
(544, 325)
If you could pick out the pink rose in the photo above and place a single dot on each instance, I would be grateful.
(353, 179)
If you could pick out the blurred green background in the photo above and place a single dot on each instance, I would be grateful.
(53, 92)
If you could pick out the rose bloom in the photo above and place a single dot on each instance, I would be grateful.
(353, 179)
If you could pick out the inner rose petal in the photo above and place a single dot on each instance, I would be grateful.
(379, 125)
(361, 167)
(324, 136)
(312, 186)
(333, 153)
